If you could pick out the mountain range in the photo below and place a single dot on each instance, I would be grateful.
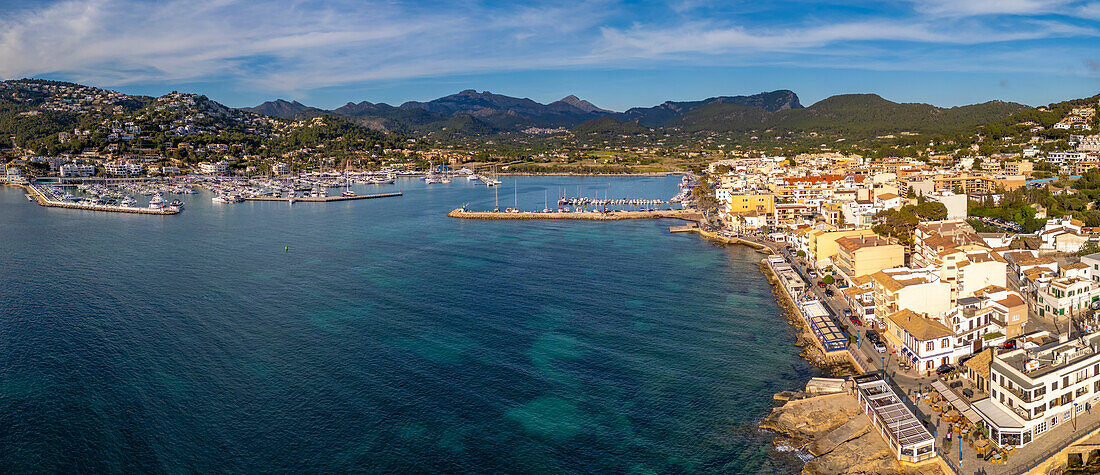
(473, 113)
(490, 112)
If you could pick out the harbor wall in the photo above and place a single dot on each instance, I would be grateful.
(687, 215)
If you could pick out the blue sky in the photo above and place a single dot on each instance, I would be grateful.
(616, 54)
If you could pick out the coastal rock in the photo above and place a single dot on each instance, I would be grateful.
(810, 418)
(833, 429)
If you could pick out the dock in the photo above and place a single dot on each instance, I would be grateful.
(688, 215)
(324, 199)
(41, 199)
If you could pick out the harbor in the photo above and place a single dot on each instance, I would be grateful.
(49, 199)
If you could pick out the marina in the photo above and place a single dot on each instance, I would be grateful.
(49, 198)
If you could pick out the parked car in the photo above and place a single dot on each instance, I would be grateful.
(821, 284)
(854, 319)
(829, 292)
(881, 348)
(847, 312)
(871, 335)
(944, 369)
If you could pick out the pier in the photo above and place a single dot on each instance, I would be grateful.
(685, 214)
(323, 199)
(41, 199)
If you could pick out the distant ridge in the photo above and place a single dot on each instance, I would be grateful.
(501, 113)
(283, 109)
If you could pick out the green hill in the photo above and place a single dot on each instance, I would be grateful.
(608, 126)
(853, 116)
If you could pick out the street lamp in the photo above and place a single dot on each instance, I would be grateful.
(884, 367)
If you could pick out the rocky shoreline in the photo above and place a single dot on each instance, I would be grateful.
(829, 429)
(805, 338)
(832, 429)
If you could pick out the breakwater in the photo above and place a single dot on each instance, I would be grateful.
(323, 199)
(687, 215)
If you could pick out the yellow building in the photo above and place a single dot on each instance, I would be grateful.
(864, 255)
(752, 203)
(822, 245)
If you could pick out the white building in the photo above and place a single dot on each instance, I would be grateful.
(122, 169)
(1039, 386)
(72, 169)
(208, 168)
(956, 204)
(1066, 296)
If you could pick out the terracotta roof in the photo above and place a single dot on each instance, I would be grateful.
(887, 196)
(922, 328)
(852, 243)
(1012, 300)
(863, 279)
(1077, 265)
(885, 280)
(980, 362)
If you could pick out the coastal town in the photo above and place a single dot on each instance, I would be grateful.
(969, 342)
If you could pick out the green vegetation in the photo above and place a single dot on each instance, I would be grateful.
(900, 223)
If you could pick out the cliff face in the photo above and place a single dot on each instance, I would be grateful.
(841, 439)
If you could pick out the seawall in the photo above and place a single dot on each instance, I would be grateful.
(687, 215)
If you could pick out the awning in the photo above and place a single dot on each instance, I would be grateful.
(997, 416)
(972, 416)
(961, 405)
(947, 393)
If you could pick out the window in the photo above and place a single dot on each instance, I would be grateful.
(1040, 428)
(943, 343)
(930, 346)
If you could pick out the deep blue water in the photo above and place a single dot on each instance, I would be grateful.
(388, 338)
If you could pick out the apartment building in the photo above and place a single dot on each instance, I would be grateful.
(923, 342)
(919, 290)
(866, 254)
(1039, 386)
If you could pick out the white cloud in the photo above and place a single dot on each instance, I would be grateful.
(284, 45)
(291, 46)
(990, 7)
(718, 39)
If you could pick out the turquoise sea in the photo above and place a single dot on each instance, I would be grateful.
(383, 336)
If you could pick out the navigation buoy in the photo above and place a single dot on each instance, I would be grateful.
(286, 248)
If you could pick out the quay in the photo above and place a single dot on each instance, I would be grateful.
(323, 199)
(685, 214)
(43, 201)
